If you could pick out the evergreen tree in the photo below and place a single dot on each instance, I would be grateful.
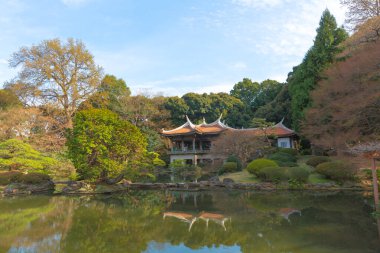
(304, 77)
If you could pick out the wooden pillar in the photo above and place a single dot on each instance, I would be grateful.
(200, 145)
(194, 144)
(182, 145)
(375, 185)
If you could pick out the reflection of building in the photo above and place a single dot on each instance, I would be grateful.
(193, 143)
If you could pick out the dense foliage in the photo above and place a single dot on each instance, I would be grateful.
(316, 160)
(17, 155)
(257, 165)
(305, 76)
(338, 171)
(102, 145)
(346, 103)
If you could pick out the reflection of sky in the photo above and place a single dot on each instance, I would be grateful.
(155, 247)
(49, 244)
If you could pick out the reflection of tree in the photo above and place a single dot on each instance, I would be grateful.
(133, 222)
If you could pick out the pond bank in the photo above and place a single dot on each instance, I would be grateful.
(80, 187)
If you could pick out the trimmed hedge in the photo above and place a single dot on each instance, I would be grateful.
(277, 174)
(284, 159)
(299, 174)
(316, 160)
(235, 159)
(272, 174)
(338, 171)
(228, 167)
(290, 151)
(255, 166)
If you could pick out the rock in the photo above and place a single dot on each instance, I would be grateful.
(20, 189)
(78, 187)
(214, 179)
(228, 181)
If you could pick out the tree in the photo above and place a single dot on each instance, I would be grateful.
(109, 95)
(245, 90)
(304, 77)
(101, 145)
(177, 108)
(57, 73)
(263, 125)
(8, 99)
(346, 104)
(359, 11)
(268, 90)
(279, 108)
(17, 155)
(245, 145)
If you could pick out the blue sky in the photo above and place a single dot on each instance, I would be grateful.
(172, 46)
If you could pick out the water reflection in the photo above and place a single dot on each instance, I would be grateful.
(222, 221)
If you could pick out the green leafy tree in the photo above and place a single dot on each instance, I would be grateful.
(101, 145)
(279, 108)
(246, 91)
(109, 95)
(304, 77)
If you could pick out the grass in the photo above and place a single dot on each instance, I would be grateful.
(241, 177)
(316, 178)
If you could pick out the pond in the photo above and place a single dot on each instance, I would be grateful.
(164, 221)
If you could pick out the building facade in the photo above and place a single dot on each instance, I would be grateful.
(193, 143)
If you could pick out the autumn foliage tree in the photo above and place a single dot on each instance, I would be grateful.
(62, 74)
(243, 144)
(359, 11)
(346, 103)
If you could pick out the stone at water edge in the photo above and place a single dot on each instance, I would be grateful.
(214, 179)
(228, 181)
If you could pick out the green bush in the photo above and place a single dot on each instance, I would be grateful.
(298, 174)
(17, 155)
(273, 174)
(235, 159)
(290, 151)
(338, 171)
(256, 165)
(284, 159)
(228, 167)
(316, 160)
(9, 177)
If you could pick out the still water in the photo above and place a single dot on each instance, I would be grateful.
(203, 222)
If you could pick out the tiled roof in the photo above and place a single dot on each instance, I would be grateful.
(217, 127)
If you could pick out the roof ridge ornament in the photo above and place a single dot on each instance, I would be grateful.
(204, 121)
(189, 122)
(220, 117)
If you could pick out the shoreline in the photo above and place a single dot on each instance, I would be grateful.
(84, 188)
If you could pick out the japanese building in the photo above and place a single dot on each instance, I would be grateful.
(193, 143)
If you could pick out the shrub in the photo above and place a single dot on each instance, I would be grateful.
(316, 160)
(298, 174)
(290, 151)
(228, 167)
(235, 159)
(33, 178)
(17, 155)
(9, 177)
(273, 174)
(256, 165)
(284, 159)
(338, 171)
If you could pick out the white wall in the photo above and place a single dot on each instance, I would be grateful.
(284, 142)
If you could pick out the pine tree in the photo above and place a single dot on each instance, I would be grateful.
(305, 76)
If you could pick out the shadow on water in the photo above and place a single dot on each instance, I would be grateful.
(219, 221)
